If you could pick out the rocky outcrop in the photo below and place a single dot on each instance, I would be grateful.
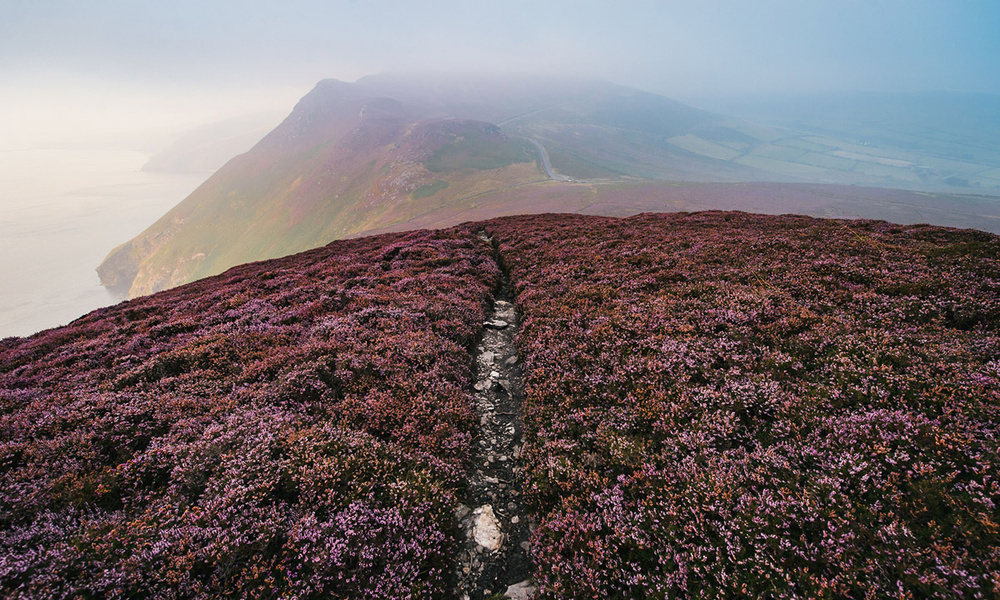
(118, 270)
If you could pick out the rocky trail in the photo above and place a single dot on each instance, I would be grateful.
(494, 558)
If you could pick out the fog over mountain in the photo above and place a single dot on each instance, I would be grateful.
(61, 57)
(398, 153)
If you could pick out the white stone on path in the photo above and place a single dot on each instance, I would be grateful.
(486, 528)
(521, 591)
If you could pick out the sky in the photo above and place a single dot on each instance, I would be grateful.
(124, 67)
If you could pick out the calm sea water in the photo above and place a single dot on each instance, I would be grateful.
(61, 212)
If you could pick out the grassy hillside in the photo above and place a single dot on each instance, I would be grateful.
(342, 163)
(717, 405)
(391, 153)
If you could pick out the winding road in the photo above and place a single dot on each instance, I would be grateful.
(548, 166)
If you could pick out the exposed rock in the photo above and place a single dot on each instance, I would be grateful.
(521, 591)
(510, 361)
(486, 529)
(494, 555)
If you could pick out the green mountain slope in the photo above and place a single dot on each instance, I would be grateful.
(377, 153)
(340, 163)
(392, 153)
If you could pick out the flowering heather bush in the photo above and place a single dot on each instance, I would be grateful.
(296, 428)
(721, 405)
(717, 405)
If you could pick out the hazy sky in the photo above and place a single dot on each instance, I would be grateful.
(112, 64)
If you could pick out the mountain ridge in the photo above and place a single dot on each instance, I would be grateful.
(387, 152)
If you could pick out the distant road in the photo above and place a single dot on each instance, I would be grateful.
(548, 167)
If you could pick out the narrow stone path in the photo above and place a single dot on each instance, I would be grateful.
(494, 558)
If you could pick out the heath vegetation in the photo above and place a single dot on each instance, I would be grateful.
(717, 405)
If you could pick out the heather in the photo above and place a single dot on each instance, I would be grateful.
(723, 405)
(716, 405)
(297, 428)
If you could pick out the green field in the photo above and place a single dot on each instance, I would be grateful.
(478, 148)
(827, 161)
(430, 189)
(693, 143)
(783, 167)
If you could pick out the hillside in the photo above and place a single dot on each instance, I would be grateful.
(708, 405)
(392, 153)
(345, 159)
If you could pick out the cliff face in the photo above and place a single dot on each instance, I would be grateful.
(725, 404)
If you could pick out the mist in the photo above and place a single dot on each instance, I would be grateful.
(183, 61)
(137, 73)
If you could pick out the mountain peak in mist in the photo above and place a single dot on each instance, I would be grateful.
(397, 151)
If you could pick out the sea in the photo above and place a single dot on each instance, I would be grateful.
(61, 211)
